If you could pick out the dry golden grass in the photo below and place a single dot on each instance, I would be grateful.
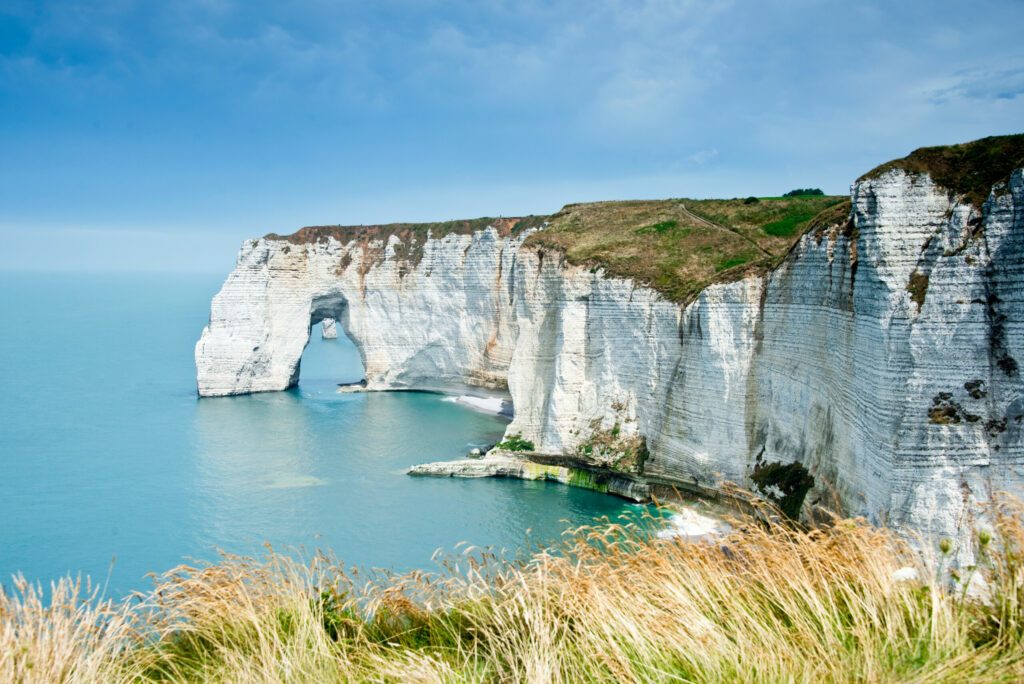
(74, 636)
(767, 603)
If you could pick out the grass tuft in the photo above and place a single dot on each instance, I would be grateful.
(515, 443)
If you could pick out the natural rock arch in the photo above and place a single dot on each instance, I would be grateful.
(331, 306)
(445, 323)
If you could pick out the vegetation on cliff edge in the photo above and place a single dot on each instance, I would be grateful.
(675, 246)
(515, 443)
(768, 602)
(969, 169)
(416, 231)
(679, 246)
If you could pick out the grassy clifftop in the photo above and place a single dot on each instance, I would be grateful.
(679, 246)
(969, 169)
(676, 246)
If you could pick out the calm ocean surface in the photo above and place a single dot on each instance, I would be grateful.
(112, 466)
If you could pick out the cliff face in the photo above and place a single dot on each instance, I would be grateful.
(881, 356)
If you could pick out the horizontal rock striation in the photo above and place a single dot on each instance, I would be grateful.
(875, 369)
(881, 356)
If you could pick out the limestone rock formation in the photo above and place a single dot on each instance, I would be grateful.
(329, 329)
(876, 367)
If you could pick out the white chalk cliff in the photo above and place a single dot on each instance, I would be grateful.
(881, 354)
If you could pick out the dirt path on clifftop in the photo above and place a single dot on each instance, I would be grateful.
(711, 224)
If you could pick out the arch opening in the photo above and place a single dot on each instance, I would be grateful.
(331, 357)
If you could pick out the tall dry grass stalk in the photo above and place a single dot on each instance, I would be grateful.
(74, 636)
(767, 603)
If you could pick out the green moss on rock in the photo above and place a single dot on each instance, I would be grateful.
(587, 480)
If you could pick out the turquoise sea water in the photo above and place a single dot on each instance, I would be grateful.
(111, 466)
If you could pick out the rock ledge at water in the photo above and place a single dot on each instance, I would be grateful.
(498, 463)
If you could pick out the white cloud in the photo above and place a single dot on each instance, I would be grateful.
(701, 157)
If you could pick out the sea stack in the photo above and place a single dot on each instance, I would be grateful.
(329, 329)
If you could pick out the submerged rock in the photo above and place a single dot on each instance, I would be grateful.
(349, 387)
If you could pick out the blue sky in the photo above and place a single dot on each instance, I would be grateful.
(157, 136)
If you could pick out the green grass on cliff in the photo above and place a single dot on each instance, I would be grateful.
(679, 246)
(767, 603)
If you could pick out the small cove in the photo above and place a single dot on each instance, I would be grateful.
(114, 468)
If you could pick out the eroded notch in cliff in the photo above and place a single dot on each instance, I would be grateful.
(784, 484)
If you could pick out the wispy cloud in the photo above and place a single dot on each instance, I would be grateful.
(701, 157)
(984, 84)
